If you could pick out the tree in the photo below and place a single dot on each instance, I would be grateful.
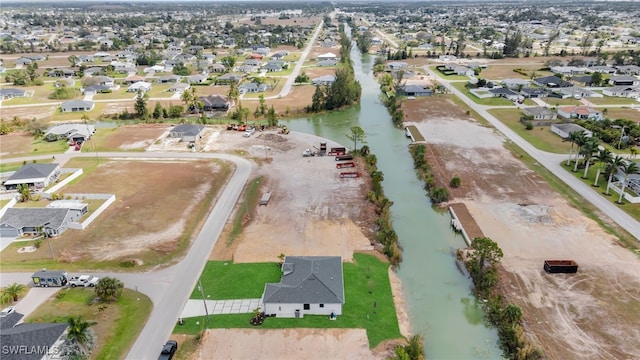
(229, 62)
(25, 192)
(628, 168)
(263, 105)
(109, 289)
(12, 292)
(157, 111)
(80, 336)
(363, 41)
(596, 78)
(580, 142)
(357, 135)
(302, 78)
(485, 251)
(181, 69)
(271, 117)
(612, 168)
(141, 105)
(587, 151)
(73, 60)
(233, 93)
(318, 99)
(604, 157)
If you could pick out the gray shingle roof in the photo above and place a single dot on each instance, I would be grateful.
(34, 217)
(308, 280)
(10, 320)
(188, 129)
(33, 171)
(33, 336)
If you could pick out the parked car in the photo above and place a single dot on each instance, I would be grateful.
(249, 131)
(168, 350)
(83, 280)
(7, 311)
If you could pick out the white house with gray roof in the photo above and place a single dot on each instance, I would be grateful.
(20, 221)
(77, 105)
(72, 132)
(310, 285)
(37, 176)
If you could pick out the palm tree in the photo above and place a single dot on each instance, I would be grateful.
(573, 138)
(628, 169)
(13, 292)
(25, 192)
(612, 168)
(633, 152)
(581, 140)
(79, 333)
(109, 289)
(234, 93)
(604, 157)
(588, 150)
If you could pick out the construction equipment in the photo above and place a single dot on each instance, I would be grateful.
(308, 153)
(285, 130)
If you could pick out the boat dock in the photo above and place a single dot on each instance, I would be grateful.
(462, 221)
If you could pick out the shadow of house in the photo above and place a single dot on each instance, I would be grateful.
(310, 285)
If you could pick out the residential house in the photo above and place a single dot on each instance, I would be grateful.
(36, 176)
(103, 80)
(61, 73)
(85, 58)
(505, 93)
(328, 62)
(628, 69)
(460, 70)
(38, 341)
(533, 93)
(168, 79)
(10, 93)
(327, 56)
(573, 92)
(515, 83)
(601, 69)
(186, 132)
(564, 130)
(215, 103)
(77, 132)
(94, 71)
(414, 90)
(622, 91)
(228, 78)
(95, 89)
(397, 65)
(179, 87)
(280, 55)
(272, 67)
(583, 80)
(23, 61)
(568, 70)
(133, 79)
(310, 285)
(77, 105)
(217, 68)
(551, 82)
(620, 80)
(20, 221)
(324, 80)
(252, 87)
(540, 113)
(580, 112)
(197, 79)
(140, 86)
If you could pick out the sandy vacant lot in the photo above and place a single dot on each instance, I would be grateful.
(586, 315)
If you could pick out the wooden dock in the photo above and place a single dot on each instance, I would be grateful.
(462, 221)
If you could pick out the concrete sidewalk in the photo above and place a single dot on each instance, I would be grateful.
(195, 307)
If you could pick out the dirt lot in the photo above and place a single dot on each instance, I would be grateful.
(586, 315)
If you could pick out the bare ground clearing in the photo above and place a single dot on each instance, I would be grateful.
(128, 137)
(586, 315)
(15, 143)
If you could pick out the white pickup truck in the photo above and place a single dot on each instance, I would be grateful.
(83, 280)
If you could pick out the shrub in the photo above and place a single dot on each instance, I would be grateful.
(455, 182)
(528, 125)
(439, 195)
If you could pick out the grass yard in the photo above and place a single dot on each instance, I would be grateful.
(160, 91)
(115, 95)
(366, 283)
(561, 102)
(61, 116)
(609, 100)
(492, 101)
(223, 280)
(117, 325)
(623, 113)
(540, 136)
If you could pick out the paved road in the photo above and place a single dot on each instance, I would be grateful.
(169, 288)
(550, 161)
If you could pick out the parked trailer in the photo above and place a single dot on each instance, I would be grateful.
(349, 174)
(560, 266)
(344, 157)
(349, 164)
(265, 198)
(46, 278)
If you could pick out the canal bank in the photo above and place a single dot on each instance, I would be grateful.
(438, 296)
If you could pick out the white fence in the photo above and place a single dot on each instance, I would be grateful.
(75, 174)
(83, 225)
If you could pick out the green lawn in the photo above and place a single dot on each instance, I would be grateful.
(118, 94)
(608, 100)
(222, 280)
(632, 209)
(117, 326)
(369, 302)
(541, 136)
(561, 102)
(41, 146)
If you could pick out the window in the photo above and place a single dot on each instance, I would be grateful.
(306, 307)
(321, 305)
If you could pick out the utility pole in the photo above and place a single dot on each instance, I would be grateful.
(204, 301)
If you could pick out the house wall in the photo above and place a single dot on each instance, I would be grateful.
(7, 231)
(559, 132)
(289, 310)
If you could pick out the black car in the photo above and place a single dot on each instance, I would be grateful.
(168, 350)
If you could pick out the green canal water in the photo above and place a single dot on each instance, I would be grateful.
(439, 301)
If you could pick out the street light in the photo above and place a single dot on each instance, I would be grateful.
(204, 301)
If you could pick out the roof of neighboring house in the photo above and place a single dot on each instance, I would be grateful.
(570, 128)
(230, 76)
(197, 78)
(167, 78)
(308, 279)
(72, 129)
(324, 79)
(10, 320)
(11, 92)
(580, 110)
(537, 110)
(552, 80)
(623, 88)
(214, 100)
(624, 78)
(515, 82)
(327, 56)
(502, 91)
(97, 87)
(34, 217)
(188, 129)
(412, 88)
(585, 79)
(33, 336)
(31, 171)
(77, 104)
(326, 62)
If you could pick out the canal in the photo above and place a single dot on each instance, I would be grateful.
(438, 295)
